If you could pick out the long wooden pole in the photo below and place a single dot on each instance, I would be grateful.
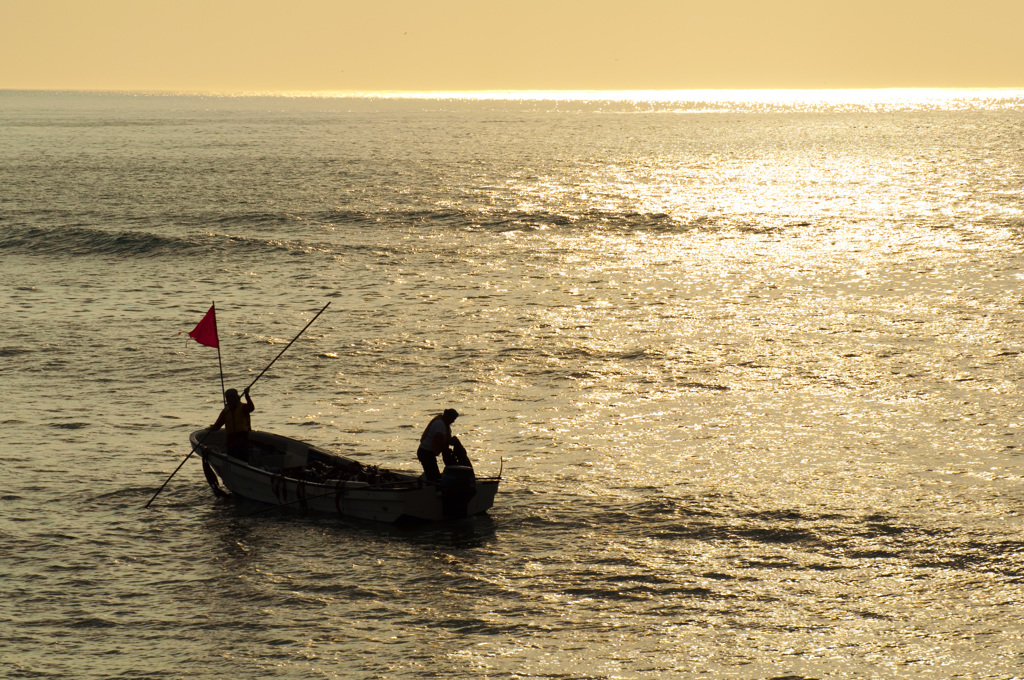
(287, 346)
(220, 364)
(200, 442)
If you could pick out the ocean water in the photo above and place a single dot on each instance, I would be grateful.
(750, 364)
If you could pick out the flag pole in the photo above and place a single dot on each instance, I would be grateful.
(220, 364)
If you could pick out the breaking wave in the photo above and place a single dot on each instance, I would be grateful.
(312, 232)
(86, 241)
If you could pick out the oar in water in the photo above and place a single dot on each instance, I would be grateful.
(200, 442)
(194, 447)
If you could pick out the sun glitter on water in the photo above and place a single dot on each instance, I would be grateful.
(804, 100)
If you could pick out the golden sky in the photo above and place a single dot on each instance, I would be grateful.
(429, 45)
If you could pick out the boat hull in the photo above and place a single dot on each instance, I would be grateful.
(274, 477)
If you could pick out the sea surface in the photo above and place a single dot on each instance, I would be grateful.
(749, 363)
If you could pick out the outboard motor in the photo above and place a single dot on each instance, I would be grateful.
(456, 455)
(458, 486)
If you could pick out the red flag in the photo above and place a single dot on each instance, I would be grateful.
(205, 332)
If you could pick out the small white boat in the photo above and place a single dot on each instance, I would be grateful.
(290, 473)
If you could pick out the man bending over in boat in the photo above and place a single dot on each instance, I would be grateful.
(437, 439)
(235, 420)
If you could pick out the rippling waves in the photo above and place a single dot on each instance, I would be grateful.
(750, 370)
(60, 238)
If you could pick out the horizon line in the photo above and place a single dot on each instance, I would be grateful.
(539, 94)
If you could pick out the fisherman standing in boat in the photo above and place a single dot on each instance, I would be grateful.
(436, 440)
(234, 418)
